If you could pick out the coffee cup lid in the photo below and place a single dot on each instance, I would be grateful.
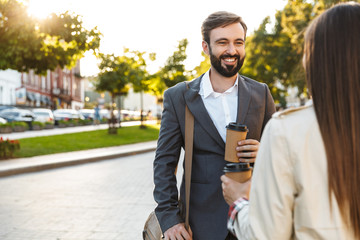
(237, 167)
(237, 127)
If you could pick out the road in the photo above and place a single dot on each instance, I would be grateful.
(105, 200)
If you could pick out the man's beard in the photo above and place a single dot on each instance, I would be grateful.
(228, 71)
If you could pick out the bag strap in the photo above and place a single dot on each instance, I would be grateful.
(189, 138)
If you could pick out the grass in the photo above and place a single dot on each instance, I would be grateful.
(36, 146)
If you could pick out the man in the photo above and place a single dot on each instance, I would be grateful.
(216, 98)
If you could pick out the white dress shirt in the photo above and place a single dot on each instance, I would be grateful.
(222, 107)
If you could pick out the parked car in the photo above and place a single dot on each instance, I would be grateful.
(104, 113)
(87, 113)
(66, 115)
(4, 107)
(44, 115)
(18, 115)
(2, 120)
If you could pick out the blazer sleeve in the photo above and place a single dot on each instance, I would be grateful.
(167, 155)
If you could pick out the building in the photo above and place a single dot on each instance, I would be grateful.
(10, 80)
(61, 88)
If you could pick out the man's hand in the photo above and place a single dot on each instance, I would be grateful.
(178, 232)
(247, 150)
(233, 190)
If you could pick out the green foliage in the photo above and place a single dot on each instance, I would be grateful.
(19, 124)
(8, 147)
(5, 125)
(40, 124)
(115, 74)
(203, 67)
(28, 43)
(275, 57)
(174, 70)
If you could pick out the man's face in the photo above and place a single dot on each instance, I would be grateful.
(226, 49)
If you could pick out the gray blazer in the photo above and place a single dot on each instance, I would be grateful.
(208, 209)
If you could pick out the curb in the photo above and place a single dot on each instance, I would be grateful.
(66, 163)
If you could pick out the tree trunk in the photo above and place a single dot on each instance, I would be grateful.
(141, 110)
(119, 107)
(112, 121)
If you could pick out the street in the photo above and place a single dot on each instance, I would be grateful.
(104, 200)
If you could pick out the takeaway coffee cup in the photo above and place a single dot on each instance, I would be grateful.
(240, 172)
(234, 133)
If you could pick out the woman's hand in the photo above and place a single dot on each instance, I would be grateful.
(233, 190)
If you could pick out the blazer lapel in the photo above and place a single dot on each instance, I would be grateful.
(244, 98)
(197, 108)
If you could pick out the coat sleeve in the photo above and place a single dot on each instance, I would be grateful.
(268, 214)
(167, 155)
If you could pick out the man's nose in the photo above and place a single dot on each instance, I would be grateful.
(231, 49)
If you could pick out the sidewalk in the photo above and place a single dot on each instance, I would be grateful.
(38, 163)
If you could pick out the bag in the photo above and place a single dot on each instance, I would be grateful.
(152, 230)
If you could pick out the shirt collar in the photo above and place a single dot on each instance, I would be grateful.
(206, 88)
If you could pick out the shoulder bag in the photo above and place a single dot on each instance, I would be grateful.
(152, 230)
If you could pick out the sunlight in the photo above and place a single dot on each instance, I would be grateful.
(39, 9)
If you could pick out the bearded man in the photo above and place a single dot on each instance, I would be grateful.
(215, 99)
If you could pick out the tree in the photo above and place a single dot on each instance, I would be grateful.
(174, 70)
(28, 43)
(140, 78)
(203, 67)
(275, 57)
(117, 73)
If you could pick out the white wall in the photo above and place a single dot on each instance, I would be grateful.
(132, 101)
(9, 81)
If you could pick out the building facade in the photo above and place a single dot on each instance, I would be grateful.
(61, 88)
(10, 80)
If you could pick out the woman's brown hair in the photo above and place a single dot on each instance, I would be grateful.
(332, 66)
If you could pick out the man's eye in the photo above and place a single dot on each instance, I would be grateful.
(239, 43)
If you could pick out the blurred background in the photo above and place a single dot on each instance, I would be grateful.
(122, 55)
(83, 81)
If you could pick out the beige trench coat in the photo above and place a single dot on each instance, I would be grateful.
(289, 194)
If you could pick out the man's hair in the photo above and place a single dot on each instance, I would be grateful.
(332, 66)
(220, 19)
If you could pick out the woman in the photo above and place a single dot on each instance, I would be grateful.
(305, 183)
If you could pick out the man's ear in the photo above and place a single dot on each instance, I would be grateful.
(205, 47)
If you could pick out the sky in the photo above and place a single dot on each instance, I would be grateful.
(153, 26)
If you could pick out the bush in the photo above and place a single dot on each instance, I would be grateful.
(8, 147)
(37, 125)
(85, 121)
(5, 128)
(19, 126)
(63, 123)
(49, 125)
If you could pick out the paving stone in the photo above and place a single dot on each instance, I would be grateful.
(96, 201)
